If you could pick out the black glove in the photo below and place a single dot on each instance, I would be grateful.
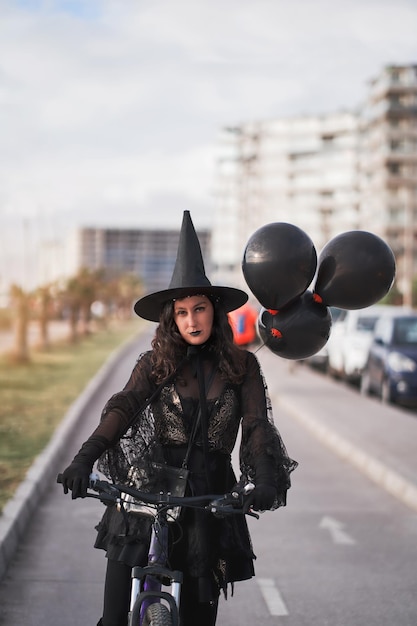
(263, 496)
(76, 476)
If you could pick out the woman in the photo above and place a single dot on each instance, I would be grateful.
(193, 369)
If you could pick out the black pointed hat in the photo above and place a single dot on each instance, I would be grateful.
(188, 279)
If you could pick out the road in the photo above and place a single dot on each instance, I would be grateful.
(342, 553)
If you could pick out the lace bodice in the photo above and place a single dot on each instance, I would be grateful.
(168, 420)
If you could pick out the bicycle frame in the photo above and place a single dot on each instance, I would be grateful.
(147, 581)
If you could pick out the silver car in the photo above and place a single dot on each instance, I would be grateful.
(350, 340)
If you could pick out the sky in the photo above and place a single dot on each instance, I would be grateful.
(110, 110)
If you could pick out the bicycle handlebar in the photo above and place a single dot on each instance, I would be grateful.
(223, 504)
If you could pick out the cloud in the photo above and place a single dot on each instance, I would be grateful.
(108, 108)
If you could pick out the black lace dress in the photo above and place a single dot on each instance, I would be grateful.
(214, 551)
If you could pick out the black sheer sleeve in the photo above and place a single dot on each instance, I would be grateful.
(121, 407)
(261, 444)
(127, 438)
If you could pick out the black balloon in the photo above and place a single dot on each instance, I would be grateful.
(279, 264)
(355, 270)
(297, 331)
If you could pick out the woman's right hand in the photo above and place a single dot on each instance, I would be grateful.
(75, 478)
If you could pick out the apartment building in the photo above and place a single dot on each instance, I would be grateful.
(326, 174)
(301, 170)
(388, 185)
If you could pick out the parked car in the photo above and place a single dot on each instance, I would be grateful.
(320, 360)
(350, 339)
(391, 368)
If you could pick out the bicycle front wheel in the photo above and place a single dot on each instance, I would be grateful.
(157, 614)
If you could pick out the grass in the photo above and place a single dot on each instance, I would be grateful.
(35, 397)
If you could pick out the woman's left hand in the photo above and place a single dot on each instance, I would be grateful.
(261, 498)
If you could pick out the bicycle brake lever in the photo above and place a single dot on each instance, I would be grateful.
(248, 488)
(243, 491)
(93, 479)
(103, 487)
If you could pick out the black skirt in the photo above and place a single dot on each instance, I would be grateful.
(214, 551)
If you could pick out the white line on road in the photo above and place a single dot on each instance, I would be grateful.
(337, 533)
(272, 597)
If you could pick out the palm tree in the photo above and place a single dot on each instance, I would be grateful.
(20, 301)
(89, 284)
(117, 292)
(129, 289)
(70, 303)
(44, 301)
(78, 295)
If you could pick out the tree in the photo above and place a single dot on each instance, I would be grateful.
(77, 296)
(117, 293)
(89, 285)
(393, 297)
(43, 303)
(20, 301)
(129, 289)
(70, 303)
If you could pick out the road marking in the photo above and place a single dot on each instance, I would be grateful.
(337, 533)
(272, 597)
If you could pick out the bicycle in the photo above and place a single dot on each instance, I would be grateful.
(150, 605)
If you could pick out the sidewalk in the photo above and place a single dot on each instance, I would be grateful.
(57, 330)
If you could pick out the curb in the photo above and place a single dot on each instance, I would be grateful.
(19, 510)
(384, 476)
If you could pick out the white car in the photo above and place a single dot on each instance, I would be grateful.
(320, 360)
(350, 340)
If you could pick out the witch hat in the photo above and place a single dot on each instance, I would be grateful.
(188, 279)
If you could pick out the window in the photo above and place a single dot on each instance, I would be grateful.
(383, 330)
(405, 331)
(394, 168)
(366, 323)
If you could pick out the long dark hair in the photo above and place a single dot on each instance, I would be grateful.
(169, 348)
